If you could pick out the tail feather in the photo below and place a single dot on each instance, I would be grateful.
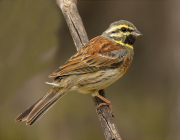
(37, 110)
(23, 116)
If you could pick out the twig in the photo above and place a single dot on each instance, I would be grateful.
(74, 22)
(76, 27)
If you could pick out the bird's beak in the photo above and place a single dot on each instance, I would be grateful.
(136, 33)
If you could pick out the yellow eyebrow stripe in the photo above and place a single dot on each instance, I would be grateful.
(119, 27)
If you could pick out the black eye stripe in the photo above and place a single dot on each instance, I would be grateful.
(126, 29)
(117, 30)
(129, 30)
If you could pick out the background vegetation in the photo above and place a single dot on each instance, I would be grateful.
(35, 41)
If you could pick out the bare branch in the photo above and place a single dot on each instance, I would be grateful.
(76, 27)
(105, 117)
(74, 22)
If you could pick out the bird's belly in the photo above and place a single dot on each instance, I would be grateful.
(95, 81)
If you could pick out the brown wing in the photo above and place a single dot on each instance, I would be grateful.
(98, 53)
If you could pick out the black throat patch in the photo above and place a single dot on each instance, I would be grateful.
(130, 39)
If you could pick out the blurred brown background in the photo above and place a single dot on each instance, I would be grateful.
(35, 41)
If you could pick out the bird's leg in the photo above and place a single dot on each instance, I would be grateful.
(107, 102)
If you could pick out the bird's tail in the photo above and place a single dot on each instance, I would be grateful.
(33, 113)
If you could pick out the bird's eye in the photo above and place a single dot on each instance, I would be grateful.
(123, 29)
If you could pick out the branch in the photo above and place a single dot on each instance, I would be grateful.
(76, 27)
(74, 22)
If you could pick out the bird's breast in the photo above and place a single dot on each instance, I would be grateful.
(123, 68)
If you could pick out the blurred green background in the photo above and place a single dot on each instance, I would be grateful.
(35, 41)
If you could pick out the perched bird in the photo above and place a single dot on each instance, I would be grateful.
(98, 64)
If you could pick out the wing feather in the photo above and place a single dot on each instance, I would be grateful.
(99, 53)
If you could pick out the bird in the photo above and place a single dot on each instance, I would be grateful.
(98, 64)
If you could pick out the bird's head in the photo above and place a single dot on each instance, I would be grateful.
(122, 32)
